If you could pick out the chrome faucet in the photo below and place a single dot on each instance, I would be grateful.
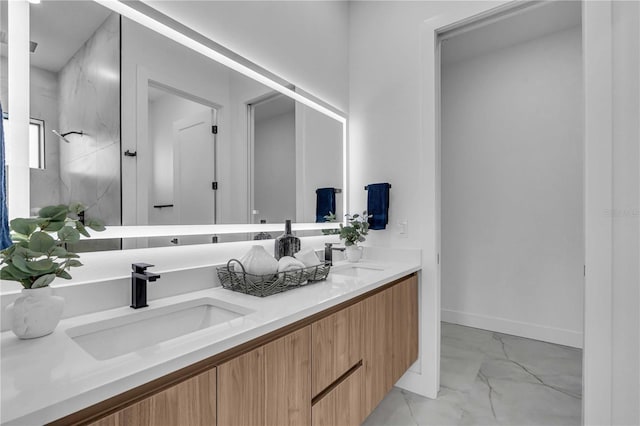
(139, 278)
(328, 252)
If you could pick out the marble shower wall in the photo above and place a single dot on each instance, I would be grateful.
(89, 86)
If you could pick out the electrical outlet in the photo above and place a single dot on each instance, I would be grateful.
(404, 228)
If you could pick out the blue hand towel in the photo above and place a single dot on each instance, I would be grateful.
(325, 203)
(5, 236)
(378, 205)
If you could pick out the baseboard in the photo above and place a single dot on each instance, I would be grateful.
(517, 328)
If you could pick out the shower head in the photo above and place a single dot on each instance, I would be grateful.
(63, 136)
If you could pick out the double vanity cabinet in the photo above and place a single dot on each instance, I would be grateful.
(331, 368)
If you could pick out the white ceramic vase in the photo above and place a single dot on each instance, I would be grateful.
(35, 313)
(258, 262)
(353, 253)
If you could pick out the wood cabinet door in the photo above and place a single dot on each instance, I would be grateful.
(190, 403)
(336, 346)
(390, 324)
(378, 347)
(405, 325)
(342, 406)
(270, 385)
(288, 380)
(241, 390)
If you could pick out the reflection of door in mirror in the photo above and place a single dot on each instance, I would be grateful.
(274, 159)
(182, 144)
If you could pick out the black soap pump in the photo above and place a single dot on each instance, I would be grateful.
(287, 244)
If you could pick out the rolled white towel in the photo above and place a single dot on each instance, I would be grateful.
(288, 263)
(308, 257)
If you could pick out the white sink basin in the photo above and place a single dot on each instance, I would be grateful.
(356, 270)
(140, 329)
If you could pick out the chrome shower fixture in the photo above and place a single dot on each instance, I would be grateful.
(63, 136)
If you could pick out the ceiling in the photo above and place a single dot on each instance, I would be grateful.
(60, 28)
(514, 28)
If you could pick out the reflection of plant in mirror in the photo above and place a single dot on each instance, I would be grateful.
(331, 217)
(354, 232)
(35, 258)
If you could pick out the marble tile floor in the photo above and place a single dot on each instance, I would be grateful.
(489, 378)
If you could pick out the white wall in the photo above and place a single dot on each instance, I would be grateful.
(319, 155)
(512, 191)
(275, 168)
(626, 214)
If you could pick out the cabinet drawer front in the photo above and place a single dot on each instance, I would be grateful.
(342, 405)
(336, 346)
(190, 403)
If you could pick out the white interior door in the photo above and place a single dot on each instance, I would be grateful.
(194, 169)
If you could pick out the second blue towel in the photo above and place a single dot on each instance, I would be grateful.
(378, 205)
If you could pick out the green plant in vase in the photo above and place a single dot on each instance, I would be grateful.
(353, 233)
(38, 256)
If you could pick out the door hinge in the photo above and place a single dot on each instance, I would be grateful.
(214, 186)
(584, 270)
(438, 258)
(214, 130)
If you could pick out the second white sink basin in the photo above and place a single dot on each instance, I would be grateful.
(356, 270)
(124, 334)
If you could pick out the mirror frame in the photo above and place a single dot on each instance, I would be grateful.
(18, 88)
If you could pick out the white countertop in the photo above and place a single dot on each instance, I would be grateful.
(48, 378)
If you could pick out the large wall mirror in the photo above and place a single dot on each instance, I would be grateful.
(145, 131)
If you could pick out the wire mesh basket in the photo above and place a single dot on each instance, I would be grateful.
(235, 277)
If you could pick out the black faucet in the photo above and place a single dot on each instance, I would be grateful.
(328, 252)
(139, 278)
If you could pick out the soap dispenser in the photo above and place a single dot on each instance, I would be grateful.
(287, 244)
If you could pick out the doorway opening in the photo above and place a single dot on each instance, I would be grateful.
(182, 132)
(512, 210)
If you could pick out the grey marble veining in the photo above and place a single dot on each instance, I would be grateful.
(89, 86)
(491, 378)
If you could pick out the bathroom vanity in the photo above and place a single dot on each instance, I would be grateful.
(323, 354)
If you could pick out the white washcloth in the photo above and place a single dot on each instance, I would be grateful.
(288, 263)
(308, 257)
